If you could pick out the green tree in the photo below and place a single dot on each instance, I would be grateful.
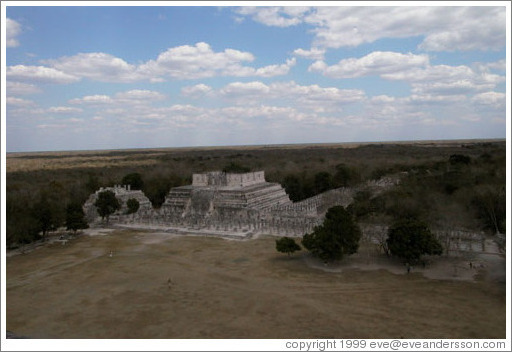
(156, 188)
(490, 204)
(134, 180)
(338, 236)
(323, 182)
(133, 205)
(92, 183)
(21, 224)
(287, 245)
(410, 239)
(106, 204)
(45, 215)
(345, 176)
(75, 217)
(293, 187)
(459, 159)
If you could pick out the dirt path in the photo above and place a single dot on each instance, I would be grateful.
(235, 289)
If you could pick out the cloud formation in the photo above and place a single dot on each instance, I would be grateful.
(13, 29)
(179, 63)
(373, 64)
(443, 28)
(39, 74)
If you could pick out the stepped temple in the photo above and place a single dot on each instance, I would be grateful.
(219, 203)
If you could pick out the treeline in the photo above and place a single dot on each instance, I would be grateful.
(459, 192)
(31, 215)
(459, 186)
(304, 186)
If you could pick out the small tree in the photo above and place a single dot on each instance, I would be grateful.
(106, 204)
(133, 205)
(338, 236)
(323, 182)
(287, 245)
(134, 180)
(75, 217)
(46, 215)
(410, 239)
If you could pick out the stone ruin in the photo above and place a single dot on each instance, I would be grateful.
(242, 205)
(123, 193)
(219, 203)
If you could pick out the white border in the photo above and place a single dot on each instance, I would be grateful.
(219, 344)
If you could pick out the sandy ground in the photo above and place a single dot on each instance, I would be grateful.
(243, 289)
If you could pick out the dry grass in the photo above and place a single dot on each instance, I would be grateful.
(31, 161)
(231, 289)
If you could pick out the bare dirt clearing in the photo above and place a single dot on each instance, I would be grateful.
(235, 289)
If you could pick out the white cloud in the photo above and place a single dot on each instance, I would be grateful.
(444, 28)
(249, 89)
(446, 80)
(96, 66)
(426, 80)
(92, 100)
(498, 65)
(196, 91)
(462, 86)
(313, 54)
(39, 74)
(19, 88)
(309, 97)
(375, 63)
(18, 101)
(274, 16)
(139, 96)
(182, 62)
(436, 99)
(13, 29)
(200, 61)
(120, 100)
(492, 99)
(64, 110)
(383, 99)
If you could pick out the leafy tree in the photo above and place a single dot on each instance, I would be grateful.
(45, 215)
(107, 204)
(293, 187)
(490, 204)
(323, 182)
(134, 180)
(345, 176)
(75, 217)
(287, 245)
(459, 159)
(92, 183)
(338, 236)
(21, 223)
(157, 188)
(133, 205)
(410, 239)
(362, 204)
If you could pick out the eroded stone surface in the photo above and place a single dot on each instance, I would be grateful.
(224, 202)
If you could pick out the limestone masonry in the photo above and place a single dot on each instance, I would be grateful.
(218, 203)
(242, 205)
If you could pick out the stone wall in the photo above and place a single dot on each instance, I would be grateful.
(222, 179)
(122, 193)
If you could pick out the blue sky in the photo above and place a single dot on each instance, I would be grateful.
(115, 77)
